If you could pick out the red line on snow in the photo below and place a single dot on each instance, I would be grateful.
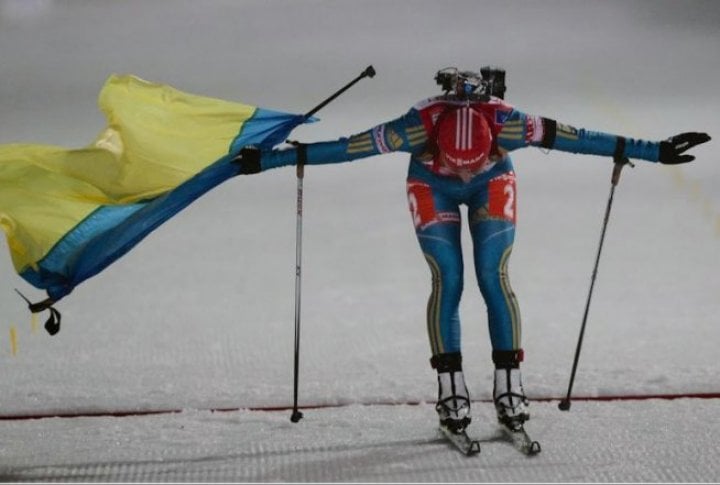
(150, 412)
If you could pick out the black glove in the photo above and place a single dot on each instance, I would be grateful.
(672, 148)
(248, 160)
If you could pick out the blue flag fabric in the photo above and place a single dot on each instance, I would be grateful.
(68, 214)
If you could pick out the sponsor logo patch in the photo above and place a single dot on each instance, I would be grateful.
(534, 129)
(378, 134)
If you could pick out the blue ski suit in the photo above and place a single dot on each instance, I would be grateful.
(435, 195)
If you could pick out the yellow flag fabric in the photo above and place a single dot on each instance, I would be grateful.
(55, 202)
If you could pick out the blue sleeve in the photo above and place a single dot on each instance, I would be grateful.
(406, 134)
(521, 130)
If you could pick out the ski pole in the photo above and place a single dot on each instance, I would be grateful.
(620, 162)
(296, 414)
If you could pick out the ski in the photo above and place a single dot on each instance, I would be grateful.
(521, 440)
(461, 441)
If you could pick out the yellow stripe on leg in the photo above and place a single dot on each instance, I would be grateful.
(510, 299)
(433, 309)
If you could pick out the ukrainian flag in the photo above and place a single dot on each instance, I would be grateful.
(68, 214)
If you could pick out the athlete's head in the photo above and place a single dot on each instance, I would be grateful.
(466, 84)
(460, 83)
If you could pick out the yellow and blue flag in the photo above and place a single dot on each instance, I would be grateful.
(69, 213)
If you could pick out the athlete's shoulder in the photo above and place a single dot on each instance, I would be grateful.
(495, 109)
(499, 103)
(449, 100)
(430, 109)
(440, 100)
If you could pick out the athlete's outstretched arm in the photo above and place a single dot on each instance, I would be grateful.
(402, 134)
(521, 130)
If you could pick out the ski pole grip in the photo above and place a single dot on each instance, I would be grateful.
(620, 162)
(302, 158)
(301, 149)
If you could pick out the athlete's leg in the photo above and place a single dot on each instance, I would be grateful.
(492, 226)
(437, 225)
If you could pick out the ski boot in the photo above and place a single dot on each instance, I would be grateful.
(511, 403)
(453, 405)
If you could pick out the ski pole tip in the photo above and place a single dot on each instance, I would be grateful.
(564, 405)
(296, 416)
(369, 72)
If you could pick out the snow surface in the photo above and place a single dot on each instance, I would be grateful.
(200, 315)
(595, 442)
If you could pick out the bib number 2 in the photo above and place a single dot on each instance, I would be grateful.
(502, 202)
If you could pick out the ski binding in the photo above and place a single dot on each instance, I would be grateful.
(461, 441)
(521, 440)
